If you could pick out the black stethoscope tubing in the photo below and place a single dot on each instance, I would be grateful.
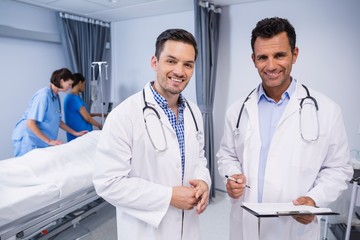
(308, 96)
(158, 115)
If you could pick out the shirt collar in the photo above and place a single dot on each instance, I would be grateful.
(54, 96)
(162, 101)
(287, 94)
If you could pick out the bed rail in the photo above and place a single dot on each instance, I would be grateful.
(54, 218)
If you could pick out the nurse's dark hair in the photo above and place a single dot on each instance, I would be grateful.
(77, 77)
(59, 74)
(269, 27)
(175, 34)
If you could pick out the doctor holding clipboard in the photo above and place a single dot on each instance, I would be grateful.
(285, 140)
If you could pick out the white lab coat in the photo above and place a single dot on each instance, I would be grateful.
(294, 167)
(138, 181)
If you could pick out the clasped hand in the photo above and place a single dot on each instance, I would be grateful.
(187, 198)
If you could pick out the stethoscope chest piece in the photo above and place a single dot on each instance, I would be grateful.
(199, 135)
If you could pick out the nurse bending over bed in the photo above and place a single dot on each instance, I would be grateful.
(39, 125)
(76, 112)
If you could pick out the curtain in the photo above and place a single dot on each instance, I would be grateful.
(207, 18)
(84, 41)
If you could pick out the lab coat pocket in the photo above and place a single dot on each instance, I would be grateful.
(305, 165)
(310, 154)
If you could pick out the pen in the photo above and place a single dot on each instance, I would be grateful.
(233, 179)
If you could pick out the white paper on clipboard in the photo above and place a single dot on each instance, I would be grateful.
(284, 209)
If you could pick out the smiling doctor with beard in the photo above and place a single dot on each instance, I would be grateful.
(150, 160)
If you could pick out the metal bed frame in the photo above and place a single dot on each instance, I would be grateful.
(50, 220)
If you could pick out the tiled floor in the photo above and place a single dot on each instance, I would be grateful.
(103, 223)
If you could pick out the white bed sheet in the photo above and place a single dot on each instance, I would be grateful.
(44, 176)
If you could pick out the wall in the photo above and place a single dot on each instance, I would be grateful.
(328, 36)
(26, 65)
(133, 45)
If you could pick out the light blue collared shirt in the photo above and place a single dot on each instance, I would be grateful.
(269, 115)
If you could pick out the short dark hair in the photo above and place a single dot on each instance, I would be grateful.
(269, 27)
(59, 74)
(175, 34)
(77, 77)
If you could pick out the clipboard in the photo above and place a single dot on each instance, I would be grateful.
(261, 210)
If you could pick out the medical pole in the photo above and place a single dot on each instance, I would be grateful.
(99, 65)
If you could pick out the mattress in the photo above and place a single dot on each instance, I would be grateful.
(44, 176)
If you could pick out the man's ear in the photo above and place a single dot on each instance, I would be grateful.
(253, 58)
(295, 54)
(154, 63)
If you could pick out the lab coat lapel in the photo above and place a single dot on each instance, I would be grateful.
(294, 103)
(188, 122)
(164, 119)
(251, 113)
(253, 144)
(151, 102)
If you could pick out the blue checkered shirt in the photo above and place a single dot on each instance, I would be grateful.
(177, 124)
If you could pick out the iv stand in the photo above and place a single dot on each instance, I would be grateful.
(354, 190)
(99, 65)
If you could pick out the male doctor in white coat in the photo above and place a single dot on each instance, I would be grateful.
(150, 160)
(279, 150)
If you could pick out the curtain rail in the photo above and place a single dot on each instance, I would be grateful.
(84, 19)
(210, 6)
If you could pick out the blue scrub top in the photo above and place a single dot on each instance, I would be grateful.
(45, 108)
(73, 118)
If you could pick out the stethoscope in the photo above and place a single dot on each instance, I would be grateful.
(303, 101)
(164, 143)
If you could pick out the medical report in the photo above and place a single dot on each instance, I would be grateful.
(284, 209)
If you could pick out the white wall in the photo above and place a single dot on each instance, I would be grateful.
(328, 38)
(133, 45)
(26, 65)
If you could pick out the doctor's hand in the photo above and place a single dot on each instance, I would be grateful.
(235, 189)
(202, 194)
(183, 197)
(308, 201)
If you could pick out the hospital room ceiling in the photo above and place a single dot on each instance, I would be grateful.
(118, 10)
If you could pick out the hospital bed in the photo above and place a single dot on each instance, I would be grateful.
(48, 190)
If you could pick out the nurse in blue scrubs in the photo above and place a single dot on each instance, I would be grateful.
(76, 113)
(39, 125)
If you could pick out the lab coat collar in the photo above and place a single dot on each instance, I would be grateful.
(149, 98)
(294, 103)
(149, 95)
